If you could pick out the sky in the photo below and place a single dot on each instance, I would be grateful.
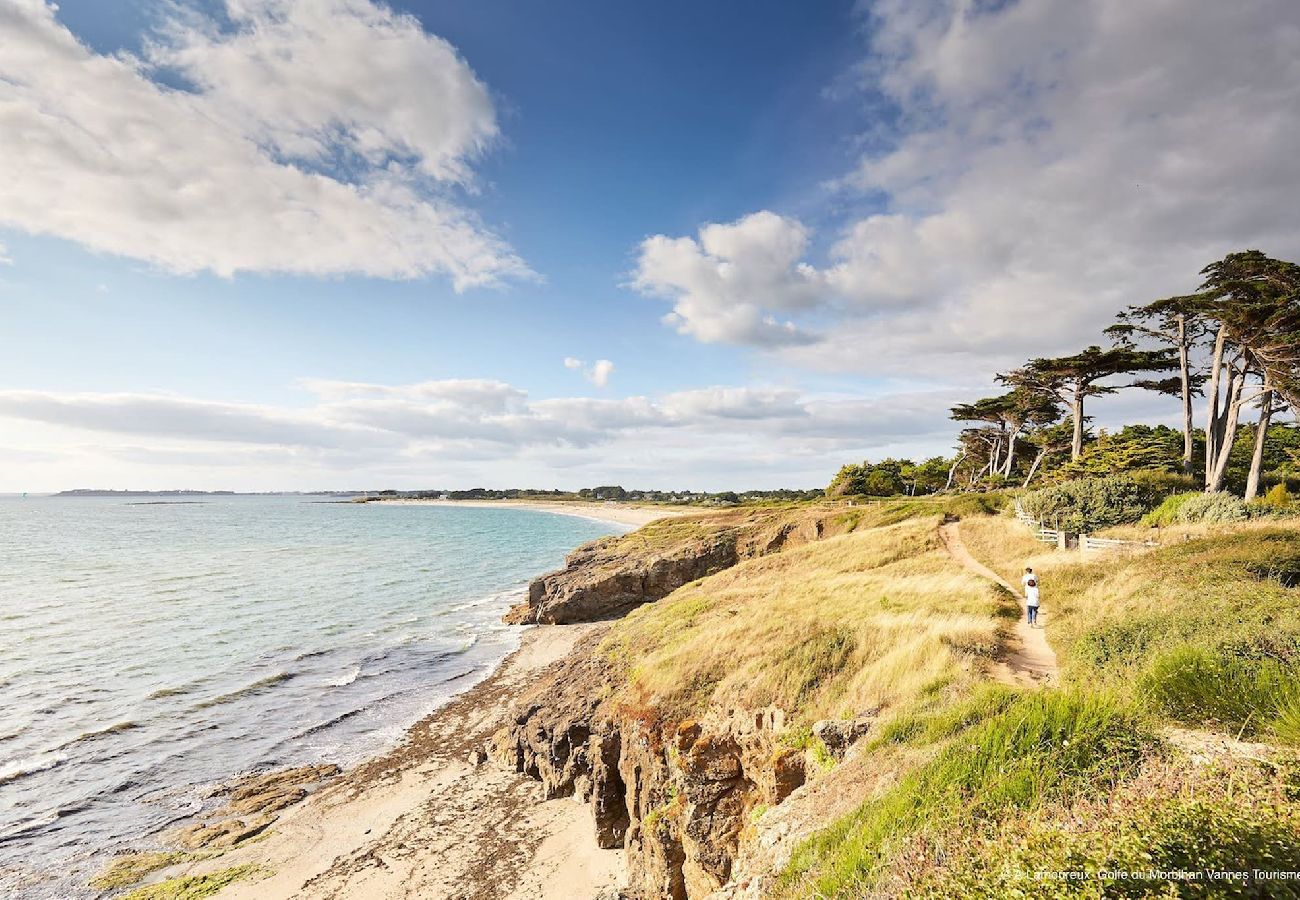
(347, 244)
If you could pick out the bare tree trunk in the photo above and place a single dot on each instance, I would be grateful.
(1011, 454)
(1185, 377)
(1076, 412)
(1212, 403)
(1226, 432)
(952, 470)
(1033, 469)
(1261, 438)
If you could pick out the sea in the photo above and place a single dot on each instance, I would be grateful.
(151, 649)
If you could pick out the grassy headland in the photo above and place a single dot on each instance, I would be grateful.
(990, 785)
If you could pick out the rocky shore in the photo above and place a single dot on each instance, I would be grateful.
(533, 783)
(678, 804)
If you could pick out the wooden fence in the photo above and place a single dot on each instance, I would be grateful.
(1090, 544)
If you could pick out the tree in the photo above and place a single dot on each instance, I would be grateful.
(1072, 379)
(1255, 302)
(1177, 323)
(1269, 406)
(1016, 414)
(1047, 441)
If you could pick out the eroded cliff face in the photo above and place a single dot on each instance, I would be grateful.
(611, 576)
(677, 799)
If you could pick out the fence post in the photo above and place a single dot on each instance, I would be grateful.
(1061, 542)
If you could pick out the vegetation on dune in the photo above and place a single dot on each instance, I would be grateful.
(991, 784)
(1019, 753)
(1191, 508)
(1233, 816)
(877, 616)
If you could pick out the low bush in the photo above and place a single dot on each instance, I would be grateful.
(1278, 497)
(1197, 507)
(1090, 504)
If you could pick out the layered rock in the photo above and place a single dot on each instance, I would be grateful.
(676, 799)
(601, 582)
(609, 577)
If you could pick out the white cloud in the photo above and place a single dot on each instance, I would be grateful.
(5, 260)
(728, 285)
(454, 433)
(597, 373)
(1055, 160)
(320, 137)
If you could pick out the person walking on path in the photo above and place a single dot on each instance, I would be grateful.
(1031, 596)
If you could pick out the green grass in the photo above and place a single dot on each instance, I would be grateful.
(1228, 817)
(1040, 745)
(1251, 695)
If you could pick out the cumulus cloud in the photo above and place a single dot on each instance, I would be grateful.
(597, 373)
(460, 432)
(316, 137)
(1054, 160)
(730, 284)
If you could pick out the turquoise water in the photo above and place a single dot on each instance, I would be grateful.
(151, 649)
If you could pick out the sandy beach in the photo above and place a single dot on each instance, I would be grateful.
(622, 513)
(428, 820)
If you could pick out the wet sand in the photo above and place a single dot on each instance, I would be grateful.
(426, 820)
(622, 513)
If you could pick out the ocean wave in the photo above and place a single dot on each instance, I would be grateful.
(334, 720)
(95, 733)
(345, 680)
(30, 766)
(255, 687)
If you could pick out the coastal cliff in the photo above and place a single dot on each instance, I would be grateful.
(677, 790)
(677, 797)
(607, 578)
(837, 705)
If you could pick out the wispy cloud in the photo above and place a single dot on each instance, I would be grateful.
(319, 137)
(1054, 161)
(482, 430)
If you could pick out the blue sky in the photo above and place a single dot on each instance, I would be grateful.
(311, 243)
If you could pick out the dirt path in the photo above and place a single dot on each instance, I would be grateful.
(1030, 659)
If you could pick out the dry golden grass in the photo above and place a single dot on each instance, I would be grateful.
(877, 617)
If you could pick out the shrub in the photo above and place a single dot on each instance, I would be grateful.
(1089, 504)
(1197, 507)
(1278, 497)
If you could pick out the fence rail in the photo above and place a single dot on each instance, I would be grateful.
(1090, 544)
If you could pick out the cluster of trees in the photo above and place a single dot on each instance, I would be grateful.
(892, 477)
(603, 492)
(1233, 344)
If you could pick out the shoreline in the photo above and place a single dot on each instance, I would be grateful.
(617, 513)
(428, 818)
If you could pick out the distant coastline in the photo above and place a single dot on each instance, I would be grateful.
(620, 513)
(107, 492)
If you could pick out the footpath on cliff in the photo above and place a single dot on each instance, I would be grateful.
(1030, 660)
